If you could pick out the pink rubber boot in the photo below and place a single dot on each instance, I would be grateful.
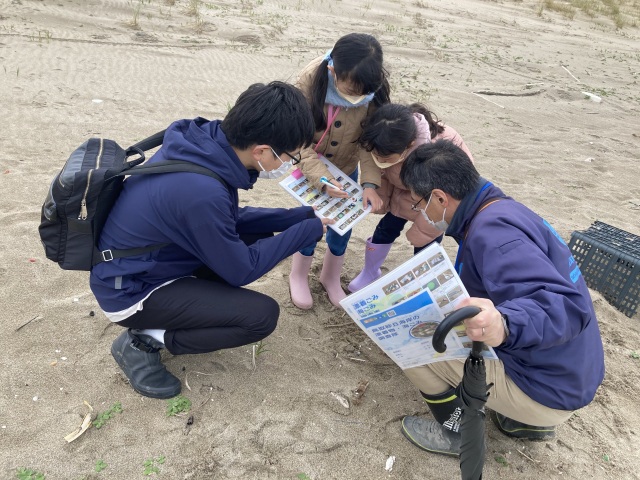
(299, 281)
(330, 277)
(374, 257)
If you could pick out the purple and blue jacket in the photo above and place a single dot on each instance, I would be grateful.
(198, 217)
(516, 259)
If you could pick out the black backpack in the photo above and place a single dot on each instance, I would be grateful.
(82, 194)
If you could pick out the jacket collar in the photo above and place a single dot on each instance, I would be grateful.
(469, 205)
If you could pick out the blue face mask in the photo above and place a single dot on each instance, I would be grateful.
(335, 97)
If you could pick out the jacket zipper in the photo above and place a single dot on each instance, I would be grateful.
(83, 202)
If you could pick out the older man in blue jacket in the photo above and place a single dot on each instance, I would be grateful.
(536, 309)
(185, 296)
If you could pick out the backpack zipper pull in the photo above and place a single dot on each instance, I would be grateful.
(83, 210)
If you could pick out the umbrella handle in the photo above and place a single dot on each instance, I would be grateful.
(451, 321)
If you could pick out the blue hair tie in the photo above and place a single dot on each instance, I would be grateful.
(327, 56)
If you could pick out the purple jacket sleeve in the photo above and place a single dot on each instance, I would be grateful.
(260, 220)
(208, 231)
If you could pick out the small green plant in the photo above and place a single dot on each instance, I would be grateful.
(134, 23)
(257, 349)
(178, 405)
(635, 355)
(150, 466)
(260, 348)
(103, 417)
(23, 473)
(605, 457)
(100, 465)
(501, 460)
(303, 476)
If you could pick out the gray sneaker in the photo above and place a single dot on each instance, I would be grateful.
(429, 435)
(515, 429)
(139, 359)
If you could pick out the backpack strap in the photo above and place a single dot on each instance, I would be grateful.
(483, 205)
(166, 166)
(148, 143)
(169, 166)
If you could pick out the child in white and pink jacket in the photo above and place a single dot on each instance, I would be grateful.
(391, 133)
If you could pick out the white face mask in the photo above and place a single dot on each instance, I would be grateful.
(384, 165)
(278, 172)
(442, 225)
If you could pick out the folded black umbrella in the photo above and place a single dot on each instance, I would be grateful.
(473, 393)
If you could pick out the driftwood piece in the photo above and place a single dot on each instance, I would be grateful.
(528, 93)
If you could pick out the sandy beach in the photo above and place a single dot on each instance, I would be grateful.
(507, 75)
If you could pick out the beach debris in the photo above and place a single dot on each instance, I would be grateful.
(358, 393)
(92, 313)
(37, 317)
(592, 96)
(344, 401)
(567, 70)
(84, 426)
(490, 101)
(186, 378)
(32, 260)
(510, 94)
(97, 100)
(390, 461)
(589, 159)
(187, 426)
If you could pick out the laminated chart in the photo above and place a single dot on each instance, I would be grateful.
(345, 211)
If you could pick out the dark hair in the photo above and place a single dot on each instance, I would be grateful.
(441, 165)
(358, 58)
(392, 127)
(276, 114)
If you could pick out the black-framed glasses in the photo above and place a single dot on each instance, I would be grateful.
(295, 159)
(414, 207)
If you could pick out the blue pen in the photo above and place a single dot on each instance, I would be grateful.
(328, 183)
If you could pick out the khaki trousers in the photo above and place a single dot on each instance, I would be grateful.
(505, 396)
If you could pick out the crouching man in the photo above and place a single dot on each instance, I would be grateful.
(187, 296)
(536, 308)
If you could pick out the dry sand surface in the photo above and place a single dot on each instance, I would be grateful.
(126, 69)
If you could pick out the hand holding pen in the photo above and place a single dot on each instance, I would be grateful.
(333, 188)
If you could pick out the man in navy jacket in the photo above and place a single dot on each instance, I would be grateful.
(536, 309)
(185, 296)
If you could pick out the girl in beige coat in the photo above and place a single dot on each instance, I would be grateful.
(390, 135)
(343, 87)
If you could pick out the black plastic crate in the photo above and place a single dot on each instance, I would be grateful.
(609, 259)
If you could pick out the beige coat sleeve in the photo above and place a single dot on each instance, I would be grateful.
(385, 192)
(313, 168)
(369, 171)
